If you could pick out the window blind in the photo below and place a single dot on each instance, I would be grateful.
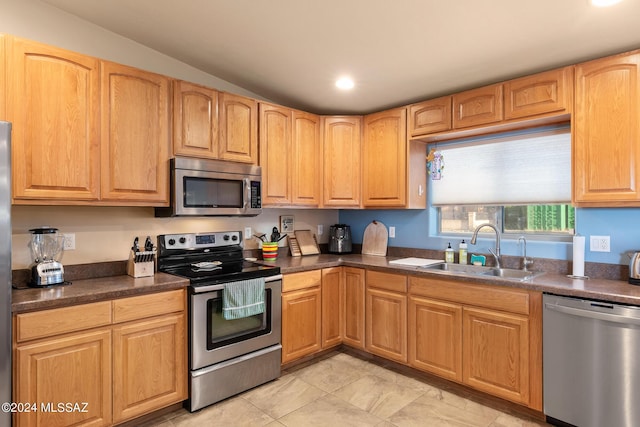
(524, 168)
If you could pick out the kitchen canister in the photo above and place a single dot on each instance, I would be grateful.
(269, 251)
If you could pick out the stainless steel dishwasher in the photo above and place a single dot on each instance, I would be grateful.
(591, 362)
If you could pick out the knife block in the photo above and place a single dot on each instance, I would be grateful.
(140, 268)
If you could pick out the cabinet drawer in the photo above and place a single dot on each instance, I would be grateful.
(133, 308)
(495, 297)
(306, 279)
(46, 323)
(388, 281)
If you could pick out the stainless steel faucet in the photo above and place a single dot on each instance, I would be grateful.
(526, 262)
(495, 254)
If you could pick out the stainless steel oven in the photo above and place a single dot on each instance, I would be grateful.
(226, 357)
(230, 356)
(202, 187)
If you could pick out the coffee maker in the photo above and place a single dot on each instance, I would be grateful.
(46, 250)
(340, 239)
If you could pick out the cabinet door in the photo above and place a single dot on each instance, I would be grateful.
(548, 92)
(477, 107)
(3, 76)
(71, 369)
(386, 324)
(195, 120)
(435, 337)
(53, 102)
(238, 129)
(606, 135)
(306, 160)
(275, 154)
(341, 144)
(332, 306)
(430, 116)
(301, 323)
(353, 333)
(384, 176)
(149, 365)
(496, 353)
(135, 135)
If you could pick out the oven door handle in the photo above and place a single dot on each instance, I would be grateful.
(220, 286)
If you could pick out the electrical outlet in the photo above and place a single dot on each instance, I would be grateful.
(392, 232)
(600, 244)
(247, 233)
(69, 241)
(320, 229)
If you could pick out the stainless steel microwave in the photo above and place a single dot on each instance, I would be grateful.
(202, 187)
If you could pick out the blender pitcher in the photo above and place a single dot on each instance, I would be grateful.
(46, 250)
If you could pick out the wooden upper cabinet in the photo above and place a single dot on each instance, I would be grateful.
(135, 135)
(238, 128)
(341, 146)
(606, 135)
(384, 155)
(195, 120)
(306, 160)
(275, 154)
(430, 116)
(3, 76)
(54, 105)
(477, 106)
(548, 92)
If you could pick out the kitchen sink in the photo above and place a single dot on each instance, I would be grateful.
(480, 271)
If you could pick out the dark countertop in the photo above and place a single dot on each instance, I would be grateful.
(92, 290)
(602, 289)
(119, 286)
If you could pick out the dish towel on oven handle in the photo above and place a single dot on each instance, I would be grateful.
(243, 298)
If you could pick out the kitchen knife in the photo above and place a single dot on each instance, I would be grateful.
(148, 247)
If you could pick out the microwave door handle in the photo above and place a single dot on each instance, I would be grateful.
(247, 195)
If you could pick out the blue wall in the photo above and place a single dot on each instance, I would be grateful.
(417, 229)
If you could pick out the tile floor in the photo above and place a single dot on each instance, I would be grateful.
(342, 390)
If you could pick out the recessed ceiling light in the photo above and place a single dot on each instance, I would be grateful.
(344, 83)
(604, 3)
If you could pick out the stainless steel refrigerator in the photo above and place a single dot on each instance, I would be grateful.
(5, 269)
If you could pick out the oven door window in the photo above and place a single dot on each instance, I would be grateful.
(222, 332)
(212, 193)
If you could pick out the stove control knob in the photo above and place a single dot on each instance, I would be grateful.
(226, 237)
(183, 240)
(234, 237)
(172, 242)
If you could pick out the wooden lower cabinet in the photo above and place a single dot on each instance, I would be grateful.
(120, 369)
(150, 368)
(332, 306)
(496, 353)
(353, 326)
(74, 368)
(301, 323)
(435, 337)
(386, 315)
(486, 337)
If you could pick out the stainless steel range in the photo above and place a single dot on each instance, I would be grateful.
(226, 357)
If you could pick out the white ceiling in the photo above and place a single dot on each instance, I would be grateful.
(398, 52)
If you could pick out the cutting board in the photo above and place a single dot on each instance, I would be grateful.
(416, 262)
(375, 239)
(306, 242)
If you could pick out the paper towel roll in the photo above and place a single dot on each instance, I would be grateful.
(578, 255)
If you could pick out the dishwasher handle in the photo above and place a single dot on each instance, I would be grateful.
(628, 320)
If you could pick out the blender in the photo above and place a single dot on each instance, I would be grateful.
(46, 250)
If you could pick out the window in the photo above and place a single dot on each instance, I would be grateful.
(520, 181)
(524, 219)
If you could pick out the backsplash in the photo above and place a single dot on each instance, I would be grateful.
(107, 233)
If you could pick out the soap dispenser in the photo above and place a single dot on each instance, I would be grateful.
(463, 252)
(448, 253)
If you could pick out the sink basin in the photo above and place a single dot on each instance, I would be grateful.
(477, 270)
